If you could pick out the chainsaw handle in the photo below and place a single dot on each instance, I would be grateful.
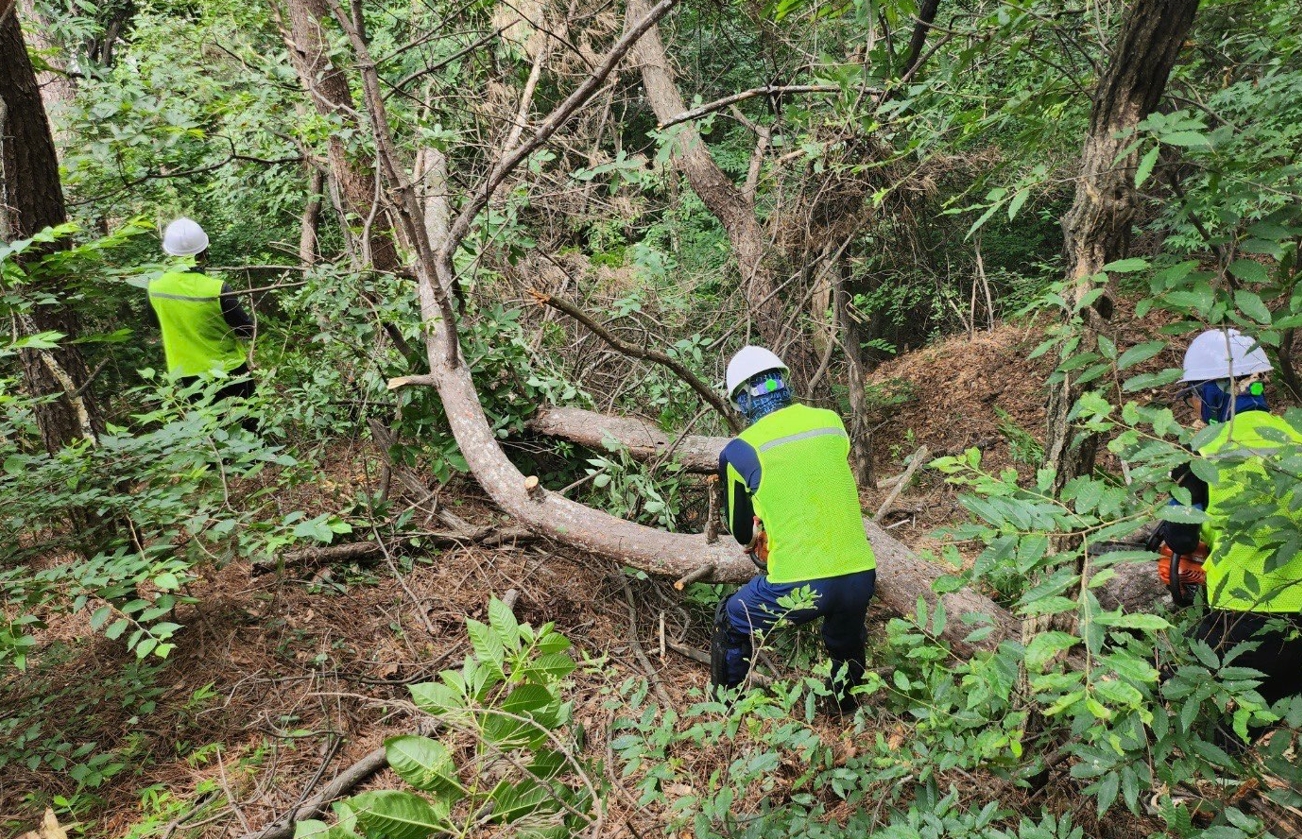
(1176, 585)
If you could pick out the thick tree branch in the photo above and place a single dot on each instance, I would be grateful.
(703, 390)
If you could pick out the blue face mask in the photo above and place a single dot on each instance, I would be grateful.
(1216, 400)
(761, 396)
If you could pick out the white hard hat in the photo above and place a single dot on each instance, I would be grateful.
(1223, 354)
(184, 237)
(750, 362)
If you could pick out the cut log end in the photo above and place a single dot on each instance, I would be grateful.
(534, 489)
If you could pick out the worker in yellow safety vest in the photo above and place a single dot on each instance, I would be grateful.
(204, 328)
(1254, 592)
(788, 474)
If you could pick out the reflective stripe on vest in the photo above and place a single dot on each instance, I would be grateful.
(196, 337)
(807, 496)
(1237, 578)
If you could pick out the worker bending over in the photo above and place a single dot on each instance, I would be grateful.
(788, 474)
(1252, 594)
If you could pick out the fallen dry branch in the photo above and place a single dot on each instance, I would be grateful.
(902, 575)
(703, 390)
(918, 457)
(487, 535)
(283, 828)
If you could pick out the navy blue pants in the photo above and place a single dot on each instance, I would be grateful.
(842, 603)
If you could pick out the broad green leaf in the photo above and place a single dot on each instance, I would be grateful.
(1126, 266)
(397, 814)
(502, 619)
(1134, 620)
(1249, 271)
(1140, 353)
(1187, 139)
(550, 668)
(424, 763)
(512, 801)
(1250, 303)
(526, 699)
(487, 645)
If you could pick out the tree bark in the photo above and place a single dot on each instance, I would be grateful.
(734, 211)
(1096, 230)
(33, 201)
(926, 17)
(57, 88)
(327, 87)
(643, 439)
(307, 235)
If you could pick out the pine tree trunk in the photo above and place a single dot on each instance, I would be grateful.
(327, 86)
(724, 200)
(33, 201)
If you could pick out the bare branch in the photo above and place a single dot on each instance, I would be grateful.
(769, 90)
(702, 389)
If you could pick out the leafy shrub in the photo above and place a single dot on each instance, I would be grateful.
(505, 757)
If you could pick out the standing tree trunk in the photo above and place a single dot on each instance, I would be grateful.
(327, 87)
(728, 204)
(31, 199)
(861, 461)
(1096, 229)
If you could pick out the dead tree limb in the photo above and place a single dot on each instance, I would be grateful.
(703, 390)
(768, 90)
(918, 457)
(343, 782)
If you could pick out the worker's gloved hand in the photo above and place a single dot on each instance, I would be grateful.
(757, 549)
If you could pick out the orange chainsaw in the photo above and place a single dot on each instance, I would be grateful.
(1180, 573)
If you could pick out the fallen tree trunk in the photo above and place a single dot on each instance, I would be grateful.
(642, 438)
(902, 575)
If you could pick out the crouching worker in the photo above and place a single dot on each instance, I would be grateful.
(1253, 595)
(788, 473)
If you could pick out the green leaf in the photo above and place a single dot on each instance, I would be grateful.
(1249, 271)
(512, 801)
(502, 619)
(550, 668)
(487, 645)
(424, 763)
(167, 581)
(1107, 792)
(397, 814)
(1145, 167)
(1140, 353)
(116, 629)
(1144, 381)
(1045, 646)
(1250, 303)
(316, 829)
(1019, 198)
(1188, 139)
(1136, 620)
(526, 699)
(1126, 266)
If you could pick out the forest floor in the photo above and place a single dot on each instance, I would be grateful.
(282, 679)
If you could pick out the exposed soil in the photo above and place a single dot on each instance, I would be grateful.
(280, 680)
